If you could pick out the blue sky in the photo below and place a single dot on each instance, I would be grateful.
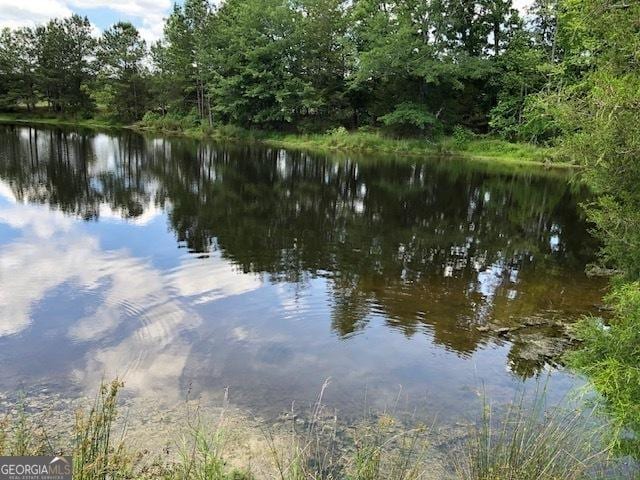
(147, 15)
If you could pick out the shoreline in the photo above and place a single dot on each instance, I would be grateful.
(478, 148)
(143, 439)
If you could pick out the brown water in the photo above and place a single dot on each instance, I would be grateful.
(190, 267)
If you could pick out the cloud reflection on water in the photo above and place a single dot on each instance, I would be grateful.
(53, 250)
(290, 267)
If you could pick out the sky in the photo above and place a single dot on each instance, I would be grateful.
(147, 15)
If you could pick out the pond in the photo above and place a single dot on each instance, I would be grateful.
(196, 268)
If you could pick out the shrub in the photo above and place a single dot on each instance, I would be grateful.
(410, 118)
(610, 357)
(461, 137)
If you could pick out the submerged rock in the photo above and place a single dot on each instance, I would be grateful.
(536, 341)
(593, 270)
(536, 346)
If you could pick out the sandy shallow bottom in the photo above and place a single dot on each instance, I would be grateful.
(159, 434)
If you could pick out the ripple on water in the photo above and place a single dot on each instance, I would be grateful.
(373, 273)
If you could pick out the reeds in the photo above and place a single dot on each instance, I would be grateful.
(377, 448)
(526, 442)
(95, 453)
(531, 442)
(19, 435)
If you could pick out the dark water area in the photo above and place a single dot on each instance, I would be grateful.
(192, 267)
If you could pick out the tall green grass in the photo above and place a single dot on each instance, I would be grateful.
(378, 448)
(19, 435)
(48, 118)
(363, 140)
(96, 453)
(201, 452)
(528, 442)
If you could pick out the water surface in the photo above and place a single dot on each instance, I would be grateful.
(189, 266)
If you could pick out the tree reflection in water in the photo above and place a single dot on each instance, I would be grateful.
(439, 246)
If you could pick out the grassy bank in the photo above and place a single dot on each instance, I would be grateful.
(528, 442)
(484, 148)
(41, 118)
(370, 141)
(462, 143)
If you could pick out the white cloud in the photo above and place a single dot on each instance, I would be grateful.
(96, 31)
(135, 8)
(151, 32)
(128, 290)
(6, 193)
(129, 293)
(147, 15)
(40, 223)
(522, 5)
(209, 280)
(16, 13)
(149, 213)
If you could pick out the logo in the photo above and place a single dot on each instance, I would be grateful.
(35, 468)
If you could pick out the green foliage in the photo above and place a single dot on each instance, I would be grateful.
(461, 137)
(171, 122)
(310, 65)
(120, 54)
(598, 95)
(25, 439)
(17, 68)
(95, 457)
(201, 454)
(180, 60)
(255, 81)
(601, 115)
(409, 117)
(63, 64)
(522, 65)
(50, 63)
(384, 449)
(305, 65)
(610, 357)
(530, 442)
(607, 140)
(545, 118)
(368, 139)
(429, 58)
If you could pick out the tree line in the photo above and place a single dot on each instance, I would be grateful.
(407, 66)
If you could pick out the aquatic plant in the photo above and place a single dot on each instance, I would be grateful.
(95, 455)
(531, 442)
(527, 442)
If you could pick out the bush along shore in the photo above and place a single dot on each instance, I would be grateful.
(526, 441)
(462, 142)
